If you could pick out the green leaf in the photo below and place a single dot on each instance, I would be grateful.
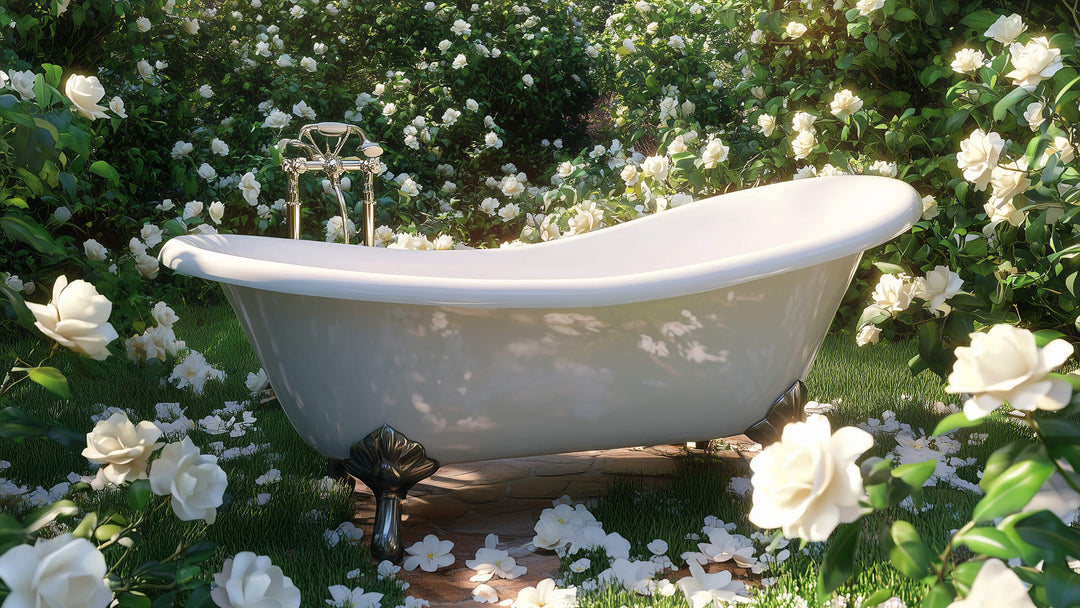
(1001, 108)
(139, 494)
(839, 560)
(53, 73)
(1014, 488)
(909, 554)
(42, 92)
(1000, 460)
(26, 230)
(988, 541)
(105, 532)
(86, 527)
(105, 170)
(52, 379)
(915, 474)
(1030, 554)
(198, 552)
(47, 514)
(1046, 336)
(940, 596)
(133, 599)
(1044, 530)
(22, 313)
(1062, 585)
(888, 268)
(905, 14)
(876, 598)
(200, 598)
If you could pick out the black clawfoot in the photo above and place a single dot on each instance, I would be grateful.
(390, 464)
(787, 408)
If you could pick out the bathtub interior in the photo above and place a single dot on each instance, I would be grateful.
(723, 240)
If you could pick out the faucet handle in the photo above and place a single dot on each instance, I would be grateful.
(333, 129)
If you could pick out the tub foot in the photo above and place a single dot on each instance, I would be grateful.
(390, 464)
(787, 408)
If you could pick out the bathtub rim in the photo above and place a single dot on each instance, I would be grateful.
(200, 256)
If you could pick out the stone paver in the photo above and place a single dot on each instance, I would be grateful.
(465, 502)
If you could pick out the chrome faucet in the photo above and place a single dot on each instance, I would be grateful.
(330, 162)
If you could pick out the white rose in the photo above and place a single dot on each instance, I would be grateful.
(978, 156)
(257, 381)
(150, 234)
(1034, 115)
(122, 447)
(85, 92)
(803, 144)
(117, 106)
(192, 209)
(882, 168)
(808, 483)
(844, 104)
(164, 316)
(967, 61)
(767, 123)
(219, 147)
(206, 92)
(491, 140)
(217, 211)
(249, 580)
(795, 29)
(1006, 29)
(277, 119)
(143, 24)
(996, 585)
(23, 83)
(250, 187)
(868, 6)
(95, 250)
(803, 121)
(472, 105)
(509, 211)
(528, 80)
(206, 171)
(868, 334)
(181, 148)
(459, 62)
(1004, 364)
(147, 265)
(929, 207)
(62, 571)
(894, 292)
(303, 110)
(1007, 181)
(1033, 62)
(194, 481)
(629, 175)
(146, 71)
(77, 318)
(1061, 146)
(191, 26)
(940, 284)
(655, 167)
(715, 152)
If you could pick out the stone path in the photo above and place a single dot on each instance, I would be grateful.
(466, 502)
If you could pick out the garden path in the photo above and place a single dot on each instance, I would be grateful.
(466, 502)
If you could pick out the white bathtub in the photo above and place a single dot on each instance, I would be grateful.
(680, 326)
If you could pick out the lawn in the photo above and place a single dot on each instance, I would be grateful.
(280, 503)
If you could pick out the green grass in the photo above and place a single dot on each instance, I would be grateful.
(861, 382)
(289, 528)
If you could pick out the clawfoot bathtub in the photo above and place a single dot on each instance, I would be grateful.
(686, 324)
